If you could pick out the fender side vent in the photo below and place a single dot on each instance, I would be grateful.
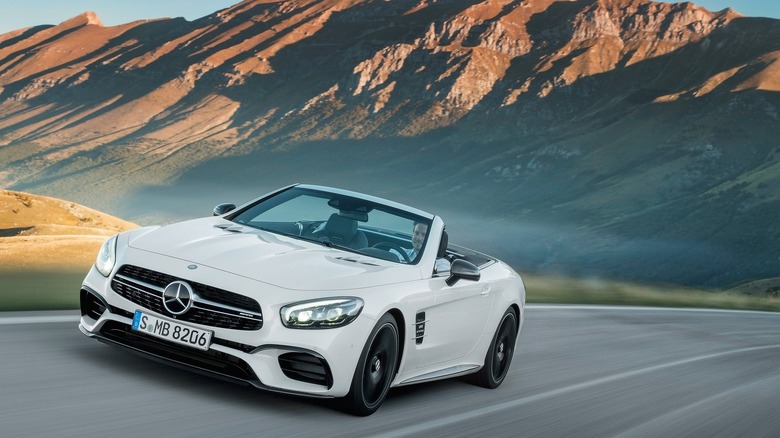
(419, 328)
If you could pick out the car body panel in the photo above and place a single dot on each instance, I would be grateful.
(271, 258)
(277, 270)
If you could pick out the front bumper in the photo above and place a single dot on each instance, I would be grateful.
(315, 363)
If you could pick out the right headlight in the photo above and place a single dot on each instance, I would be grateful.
(106, 258)
(325, 313)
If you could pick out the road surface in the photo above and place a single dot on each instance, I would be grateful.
(581, 371)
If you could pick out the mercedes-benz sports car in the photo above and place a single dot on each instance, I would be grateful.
(308, 290)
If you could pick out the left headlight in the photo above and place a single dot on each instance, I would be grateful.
(106, 258)
(318, 314)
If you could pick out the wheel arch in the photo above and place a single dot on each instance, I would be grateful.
(401, 322)
(518, 315)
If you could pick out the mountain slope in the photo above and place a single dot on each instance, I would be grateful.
(38, 232)
(603, 137)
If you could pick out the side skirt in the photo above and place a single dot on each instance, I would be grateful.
(454, 371)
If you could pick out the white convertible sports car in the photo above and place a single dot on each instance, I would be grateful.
(309, 290)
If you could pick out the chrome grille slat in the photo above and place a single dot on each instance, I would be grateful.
(139, 282)
(142, 287)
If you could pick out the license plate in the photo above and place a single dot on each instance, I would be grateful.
(171, 331)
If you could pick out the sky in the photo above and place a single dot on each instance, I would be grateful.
(15, 14)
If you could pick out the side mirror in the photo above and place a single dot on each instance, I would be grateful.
(221, 209)
(463, 269)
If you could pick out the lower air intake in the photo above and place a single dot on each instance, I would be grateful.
(91, 305)
(306, 367)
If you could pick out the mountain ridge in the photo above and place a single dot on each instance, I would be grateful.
(633, 136)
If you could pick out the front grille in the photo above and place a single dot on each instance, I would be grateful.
(145, 288)
(211, 360)
(144, 298)
(307, 368)
(205, 291)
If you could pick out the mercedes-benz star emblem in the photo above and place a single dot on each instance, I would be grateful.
(177, 297)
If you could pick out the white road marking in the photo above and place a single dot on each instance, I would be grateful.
(670, 416)
(37, 319)
(642, 308)
(418, 429)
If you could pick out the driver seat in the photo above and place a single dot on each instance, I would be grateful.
(343, 231)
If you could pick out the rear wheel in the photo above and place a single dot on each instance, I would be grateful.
(499, 355)
(375, 370)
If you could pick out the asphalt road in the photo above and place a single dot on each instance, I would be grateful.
(578, 371)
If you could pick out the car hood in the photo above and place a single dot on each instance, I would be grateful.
(270, 258)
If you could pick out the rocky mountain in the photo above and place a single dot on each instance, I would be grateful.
(623, 138)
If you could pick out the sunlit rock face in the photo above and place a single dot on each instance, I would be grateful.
(602, 110)
(223, 77)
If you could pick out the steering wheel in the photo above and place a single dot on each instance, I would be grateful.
(398, 248)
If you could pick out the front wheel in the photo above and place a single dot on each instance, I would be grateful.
(375, 370)
(499, 355)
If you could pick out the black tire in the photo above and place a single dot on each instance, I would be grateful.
(375, 370)
(499, 355)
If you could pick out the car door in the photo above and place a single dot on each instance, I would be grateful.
(455, 322)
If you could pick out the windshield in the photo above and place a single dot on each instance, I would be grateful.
(345, 222)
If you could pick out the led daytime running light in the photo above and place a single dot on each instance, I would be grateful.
(329, 313)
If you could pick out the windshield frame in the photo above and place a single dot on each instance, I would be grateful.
(360, 204)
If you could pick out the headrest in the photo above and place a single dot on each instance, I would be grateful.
(340, 229)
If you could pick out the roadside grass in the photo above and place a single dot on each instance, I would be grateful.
(25, 290)
(22, 290)
(565, 290)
